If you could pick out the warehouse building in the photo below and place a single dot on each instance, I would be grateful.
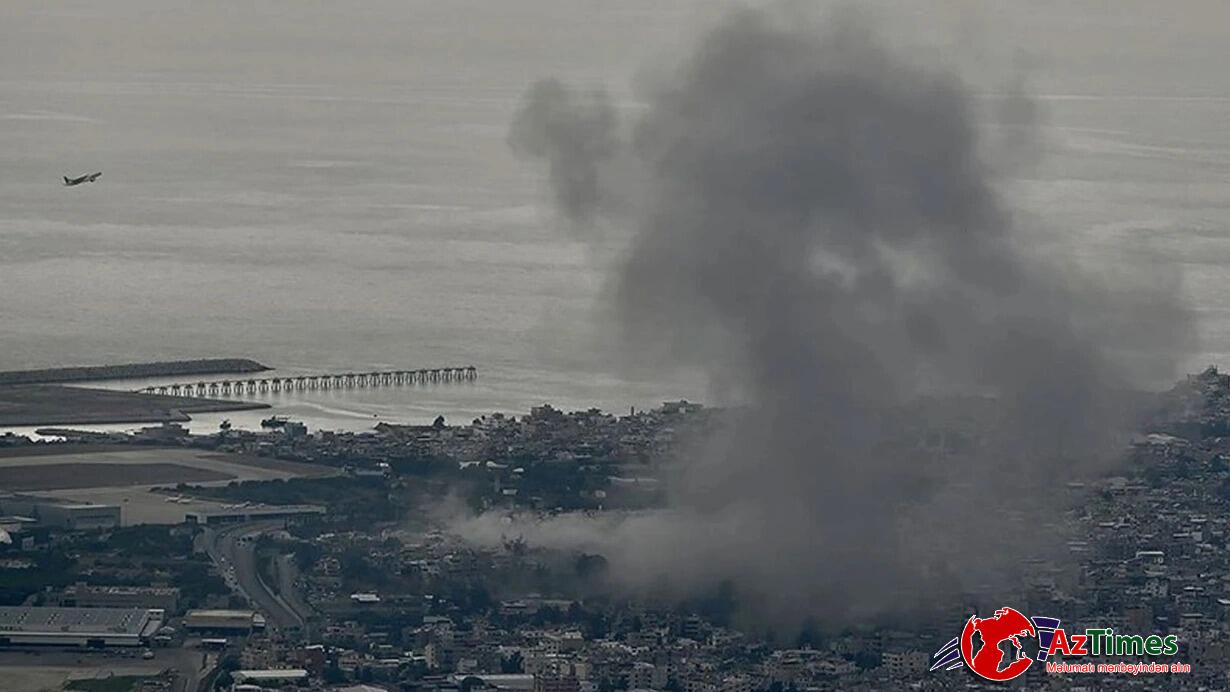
(67, 514)
(79, 516)
(235, 514)
(224, 621)
(272, 677)
(84, 596)
(78, 627)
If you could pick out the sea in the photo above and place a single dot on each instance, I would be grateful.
(327, 187)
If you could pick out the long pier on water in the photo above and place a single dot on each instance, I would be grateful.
(349, 380)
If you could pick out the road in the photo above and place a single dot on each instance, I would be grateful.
(287, 573)
(194, 669)
(232, 548)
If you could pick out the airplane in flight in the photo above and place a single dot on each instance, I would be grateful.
(88, 178)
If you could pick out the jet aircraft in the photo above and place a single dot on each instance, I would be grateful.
(88, 178)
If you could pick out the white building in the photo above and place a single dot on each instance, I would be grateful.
(84, 627)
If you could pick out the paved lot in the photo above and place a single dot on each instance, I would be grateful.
(125, 476)
(47, 671)
(94, 474)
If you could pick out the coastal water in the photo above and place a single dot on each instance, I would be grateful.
(329, 189)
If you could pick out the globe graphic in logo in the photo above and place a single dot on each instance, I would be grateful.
(990, 660)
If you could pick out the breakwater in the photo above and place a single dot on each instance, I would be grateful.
(173, 368)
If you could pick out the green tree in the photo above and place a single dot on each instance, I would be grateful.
(333, 675)
(513, 664)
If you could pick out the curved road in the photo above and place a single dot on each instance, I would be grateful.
(232, 549)
(287, 573)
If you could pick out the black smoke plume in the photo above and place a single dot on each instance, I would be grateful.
(576, 135)
(813, 224)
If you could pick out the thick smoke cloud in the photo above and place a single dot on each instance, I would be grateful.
(575, 135)
(815, 227)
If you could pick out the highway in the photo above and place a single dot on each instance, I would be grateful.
(232, 548)
(287, 573)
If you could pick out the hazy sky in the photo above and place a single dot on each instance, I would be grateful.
(327, 184)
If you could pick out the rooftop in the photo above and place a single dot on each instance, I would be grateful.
(220, 614)
(260, 510)
(73, 620)
(279, 674)
(85, 588)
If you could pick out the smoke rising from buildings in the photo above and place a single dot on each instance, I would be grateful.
(814, 226)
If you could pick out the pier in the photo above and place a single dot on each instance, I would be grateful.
(349, 380)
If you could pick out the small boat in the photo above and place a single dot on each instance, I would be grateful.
(274, 422)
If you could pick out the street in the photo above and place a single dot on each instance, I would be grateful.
(232, 548)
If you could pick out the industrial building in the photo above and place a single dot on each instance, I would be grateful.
(224, 621)
(78, 627)
(81, 595)
(505, 682)
(66, 514)
(14, 525)
(240, 513)
(269, 678)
